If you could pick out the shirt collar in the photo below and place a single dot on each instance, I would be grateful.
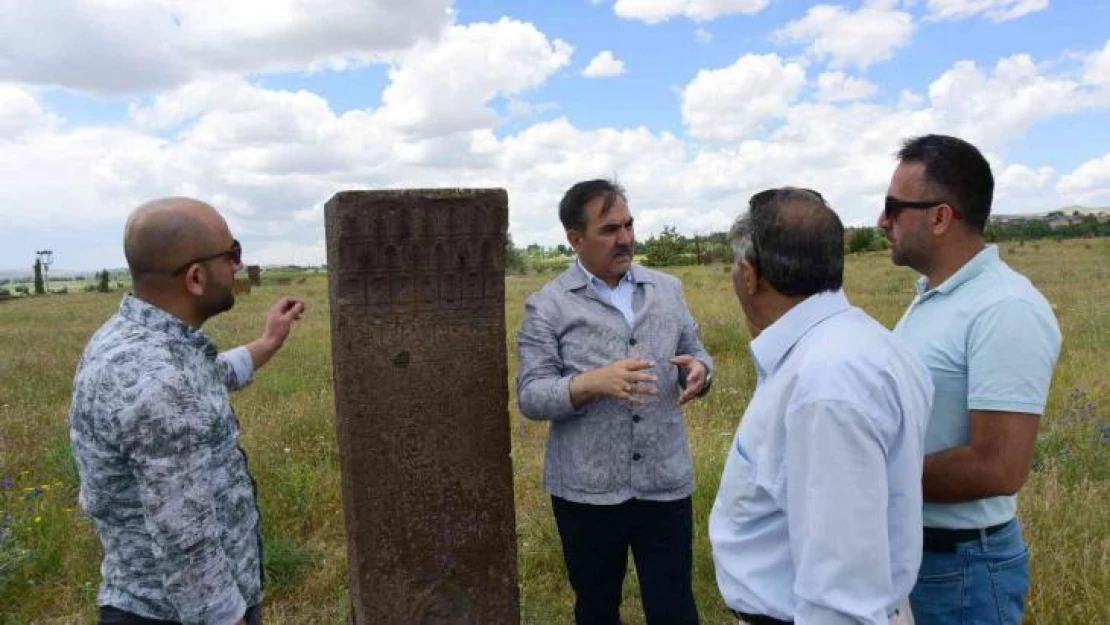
(774, 342)
(158, 320)
(627, 277)
(578, 276)
(979, 263)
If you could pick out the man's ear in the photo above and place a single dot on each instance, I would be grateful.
(749, 277)
(942, 219)
(574, 237)
(196, 278)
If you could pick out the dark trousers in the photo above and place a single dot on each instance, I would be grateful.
(596, 540)
(115, 616)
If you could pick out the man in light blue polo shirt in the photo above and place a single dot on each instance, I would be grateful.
(991, 343)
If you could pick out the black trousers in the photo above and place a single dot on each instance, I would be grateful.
(596, 540)
(115, 616)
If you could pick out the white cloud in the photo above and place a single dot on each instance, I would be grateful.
(851, 38)
(840, 87)
(1089, 183)
(517, 107)
(21, 114)
(703, 35)
(120, 46)
(603, 65)
(657, 11)
(992, 108)
(730, 103)
(994, 10)
(445, 86)
(1019, 178)
(1097, 67)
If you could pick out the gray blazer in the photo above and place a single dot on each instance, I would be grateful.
(608, 451)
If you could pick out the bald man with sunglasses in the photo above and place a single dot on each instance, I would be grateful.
(990, 341)
(154, 435)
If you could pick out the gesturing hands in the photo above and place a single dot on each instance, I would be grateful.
(695, 376)
(278, 323)
(623, 379)
(280, 319)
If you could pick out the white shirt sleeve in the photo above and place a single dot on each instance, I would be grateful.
(837, 492)
(238, 367)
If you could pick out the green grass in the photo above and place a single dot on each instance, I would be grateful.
(49, 554)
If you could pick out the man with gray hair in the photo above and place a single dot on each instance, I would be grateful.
(818, 516)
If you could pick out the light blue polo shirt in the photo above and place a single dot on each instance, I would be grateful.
(990, 341)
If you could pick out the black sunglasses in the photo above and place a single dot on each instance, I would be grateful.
(894, 207)
(235, 253)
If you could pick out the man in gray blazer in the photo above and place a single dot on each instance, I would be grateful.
(608, 353)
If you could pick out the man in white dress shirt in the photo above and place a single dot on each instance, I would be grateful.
(818, 515)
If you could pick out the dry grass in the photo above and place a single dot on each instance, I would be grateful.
(49, 557)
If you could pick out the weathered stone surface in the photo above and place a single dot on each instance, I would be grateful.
(254, 274)
(416, 282)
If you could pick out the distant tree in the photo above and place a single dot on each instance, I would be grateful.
(862, 240)
(39, 287)
(103, 286)
(514, 258)
(563, 250)
(665, 249)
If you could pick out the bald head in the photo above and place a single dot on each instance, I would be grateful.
(794, 239)
(163, 234)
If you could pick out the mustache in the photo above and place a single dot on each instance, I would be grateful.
(622, 250)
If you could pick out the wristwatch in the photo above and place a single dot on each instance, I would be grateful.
(704, 387)
(708, 382)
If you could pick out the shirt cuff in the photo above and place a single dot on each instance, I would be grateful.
(229, 615)
(1006, 405)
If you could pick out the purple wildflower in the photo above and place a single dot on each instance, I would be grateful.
(7, 483)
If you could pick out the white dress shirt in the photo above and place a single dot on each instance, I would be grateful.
(818, 515)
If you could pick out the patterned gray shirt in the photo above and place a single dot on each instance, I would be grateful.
(162, 475)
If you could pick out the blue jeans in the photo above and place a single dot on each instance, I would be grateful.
(983, 582)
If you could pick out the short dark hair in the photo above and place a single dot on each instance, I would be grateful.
(957, 170)
(793, 239)
(572, 208)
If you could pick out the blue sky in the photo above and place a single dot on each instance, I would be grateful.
(267, 111)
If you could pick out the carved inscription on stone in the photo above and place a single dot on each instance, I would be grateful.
(416, 283)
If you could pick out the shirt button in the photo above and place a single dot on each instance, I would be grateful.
(636, 456)
(631, 341)
(635, 418)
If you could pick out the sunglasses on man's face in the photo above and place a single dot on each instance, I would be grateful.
(235, 254)
(894, 207)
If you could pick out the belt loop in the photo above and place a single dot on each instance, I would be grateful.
(983, 540)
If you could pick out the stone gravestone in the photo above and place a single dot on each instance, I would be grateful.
(417, 294)
(254, 273)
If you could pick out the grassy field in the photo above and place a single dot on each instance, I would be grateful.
(49, 555)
